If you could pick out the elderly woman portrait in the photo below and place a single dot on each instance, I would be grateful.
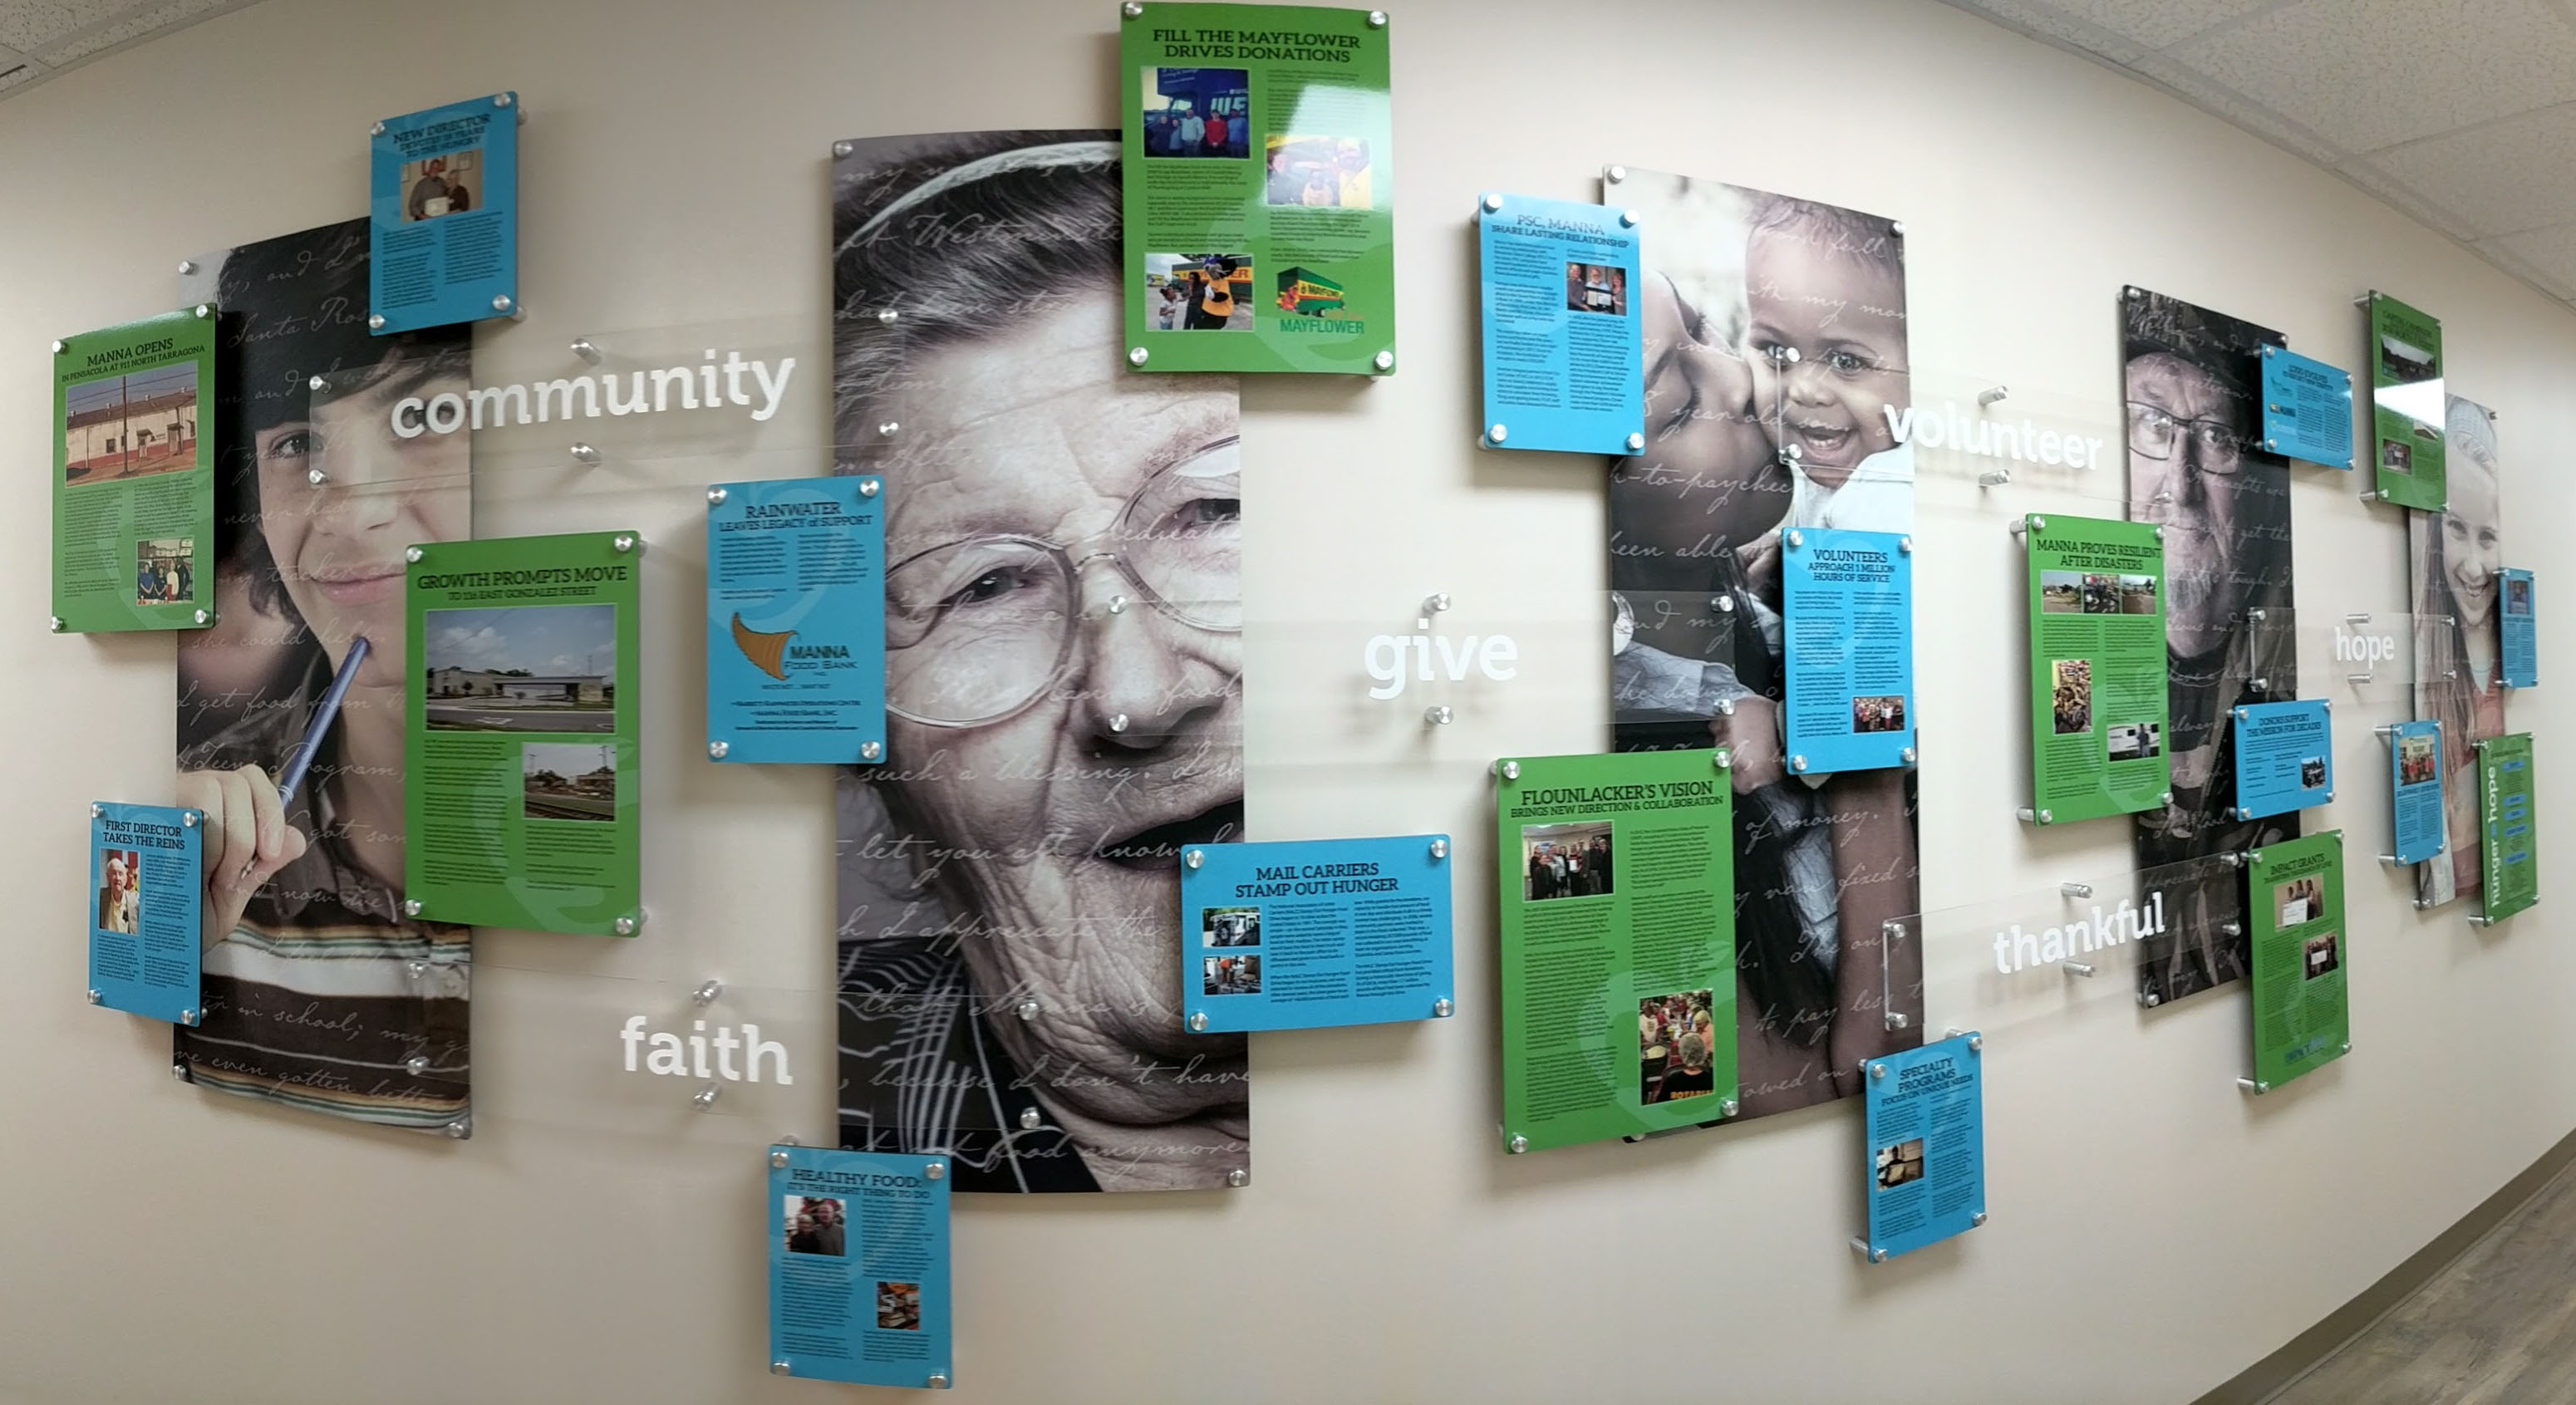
(1064, 681)
(2190, 378)
(2455, 555)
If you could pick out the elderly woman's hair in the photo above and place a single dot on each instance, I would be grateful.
(1694, 1051)
(963, 238)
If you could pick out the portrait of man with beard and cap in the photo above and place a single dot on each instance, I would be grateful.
(2192, 382)
(1063, 681)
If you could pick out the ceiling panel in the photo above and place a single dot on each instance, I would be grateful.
(29, 25)
(2501, 178)
(2550, 252)
(2153, 24)
(48, 36)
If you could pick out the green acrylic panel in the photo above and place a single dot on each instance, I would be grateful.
(2406, 405)
(134, 476)
(521, 744)
(2098, 701)
(2507, 813)
(1269, 245)
(2294, 903)
(1617, 914)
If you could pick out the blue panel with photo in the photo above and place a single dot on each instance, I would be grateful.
(442, 216)
(1564, 366)
(2520, 619)
(2415, 791)
(796, 621)
(1314, 933)
(146, 878)
(2307, 409)
(858, 1267)
(1847, 631)
(2284, 757)
(1927, 1144)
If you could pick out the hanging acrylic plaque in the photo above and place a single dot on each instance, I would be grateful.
(146, 879)
(2097, 668)
(1315, 933)
(2407, 410)
(1259, 188)
(2284, 757)
(858, 1267)
(2415, 791)
(2294, 909)
(134, 495)
(2307, 408)
(1847, 606)
(796, 621)
(2518, 629)
(1615, 896)
(1927, 1144)
(523, 806)
(443, 215)
(2506, 817)
(1562, 364)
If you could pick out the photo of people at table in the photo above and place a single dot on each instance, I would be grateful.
(1900, 1164)
(1230, 975)
(2325, 955)
(1675, 1036)
(1596, 287)
(1566, 861)
(1879, 714)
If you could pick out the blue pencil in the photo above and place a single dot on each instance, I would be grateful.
(300, 759)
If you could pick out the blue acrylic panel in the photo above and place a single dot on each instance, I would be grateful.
(2521, 614)
(1927, 1144)
(1847, 609)
(858, 1267)
(443, 212)
(2284, 757)
(1313, 933)
(2415, 791)
(796, 621)
(2307, 409)
(146, 882)
(1564, 365)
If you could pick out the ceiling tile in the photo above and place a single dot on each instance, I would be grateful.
(32, 24)
(144, 20)
(14, 71)
(2155, 24)
(2237, 108)
(2406, 198)
(2548, 256)
(2516, 174)
(2041, 21)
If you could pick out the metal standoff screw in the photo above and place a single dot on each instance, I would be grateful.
(1028, 1009)
(1442, 1009)
(375, 321)
(1636, 443)
(1493, 201)
(1896, 1020)
(625, 926)
(2232, 928)
(935, 1171)
(1976, 1043)
(187, 266)
(2039, 524)
(1726, 604)
(585, 348)
(1136, 356)
(1722, 758)
(1615, 174)
(317, 383)
(886, 429)
(2076, 890)
(870, 751)
(1727, 1108)
(95, 997)
(888, 316)
(179, 1069)
(584, 453)
(2164, 797)
(1384, 360)
(1118, 604)
(1878, 1070)
(1439, 849)
(870, 487)
(1435, 602)
(1798, 763)
(1905, 545)
(1497, 433)
(411, 908)
(413, 554)
(1194, 857)
(2076, 968)
(1439, 716)
(501, 302)
(316, 477)
(204, 617)
(623, 541)
(2152, 999)
(1994, 478)
(777, 1160)
(97, 810)
(1511, 770)
(1377, 19)
(1906, 755)
(500, 99)
(61, 346)
(1198, 1022)
(377, 130)
(1795, 537)
(1238, 1178)
(1977, 1220)
(1993, 394)
(715, 496)
(56, 623)
(460, 1129)
(842, 148)
(716, 750)
(779, 1366)
(188, 1018)
(1031, 1119)
(936, 1380)
(417, 1064)
(2048, 817)
(1131, 9)
(1517, 1144)
(706, 992)
(2240, 714)
(1118, 723)
(706, 1097)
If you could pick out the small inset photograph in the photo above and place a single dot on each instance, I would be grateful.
(130, 426)
(1230, 975)
(1676, 1039)
(529, 668)
(2324, 954)
(165, 571)
(120, 891)
(2312, 773)
(1197, 112)
(2073, 696)
(898, 1307)
(2414, 760)
(1596, 287)
(2101, 594)
(1305, 293)
(817, 1224)
(1319, 173)
(568, 780)
(2396, 456)
(446, 184)
(2517, 596)
(1879, 714)
(1565, 861)
(2404, 362)
(2298, 900)
(2135, 741)
(2137, 595)
(1198, 292)
(1900, 1164)
(1230, 926)
(2061, 592)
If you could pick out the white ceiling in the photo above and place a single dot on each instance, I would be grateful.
(40, 38)
(2462, 113)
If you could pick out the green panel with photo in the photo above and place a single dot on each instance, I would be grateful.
(521, 747)
(1259, 188)
(2294, 905)
(134, 479)
(1617, 910)
(2097, 668)
(2406, 405)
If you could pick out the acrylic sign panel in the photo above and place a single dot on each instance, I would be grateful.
(796, 621)
(1561, 326)
(2284, 757)
(443, 216)
(147, 880)
(1847, 610)
(133, 483)
(2307, 408)
(1312, 933)
(2415, 787)
(859, 1267)
(2302, 1016)
(2096, 601)
(1926, 1115)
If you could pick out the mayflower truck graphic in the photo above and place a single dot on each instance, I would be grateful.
(1308, 294)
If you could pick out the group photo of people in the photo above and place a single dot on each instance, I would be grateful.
(1317, 173)
(1676, 1037)
(1596, 287)
(2073, 696)
(165, 571)
(2325, 955)
(2416, 759)
(441, 185)
(816, 1224)
(1879, 714)
(1198, 112)
(2299, 900)
(1230, 926)
(120, 891)
(1230, 975)
(1565, 861)
(1198, 292)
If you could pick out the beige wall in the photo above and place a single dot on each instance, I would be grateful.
(2153, 1230)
